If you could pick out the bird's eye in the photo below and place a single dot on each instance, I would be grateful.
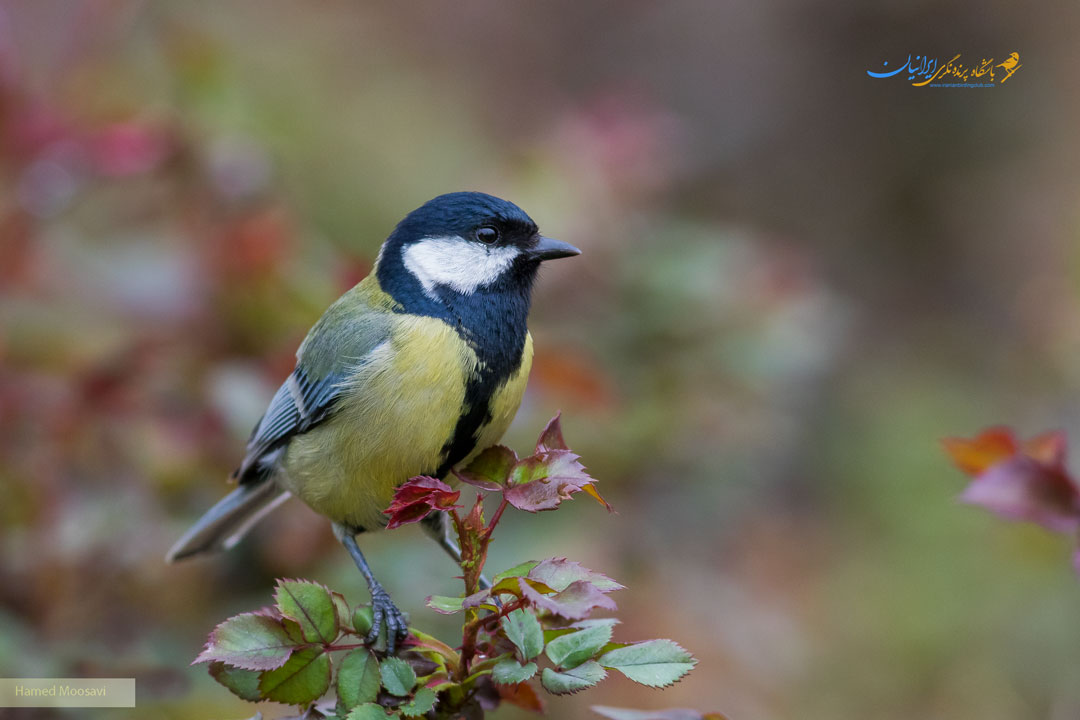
(487, 235)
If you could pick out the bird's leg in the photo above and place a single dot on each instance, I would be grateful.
(437, 527)
(383, 608)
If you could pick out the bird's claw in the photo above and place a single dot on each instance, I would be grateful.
(397, 624)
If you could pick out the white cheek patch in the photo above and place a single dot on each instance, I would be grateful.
(456, 263)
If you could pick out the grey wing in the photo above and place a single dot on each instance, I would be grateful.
(299, 405)
(342, 340)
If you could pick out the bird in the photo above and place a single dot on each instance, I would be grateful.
(413, 371)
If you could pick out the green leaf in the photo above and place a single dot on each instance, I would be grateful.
(310, 605)
(559, 573)
(367, 711)
(569, 651)
(423, 701)
(244, 684)
(363, 618)
(523, 629)
(434, 648)
(563, 683)
(593, 622)
(341, 609)
(517, 571)
(249, 641)
(489, 469)
(398, 676)
(656, 663)
(302, 680)
(511, 672)
(445, 605)
(358, 679)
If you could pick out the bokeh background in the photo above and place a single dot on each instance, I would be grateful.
(796, 279)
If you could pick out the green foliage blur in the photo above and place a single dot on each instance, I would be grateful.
(795, 280)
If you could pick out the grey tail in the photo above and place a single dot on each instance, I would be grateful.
(230, 520)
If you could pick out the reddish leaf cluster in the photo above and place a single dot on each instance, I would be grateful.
(418, 497)
(538, 482)
(1020, 481)
(559, 586)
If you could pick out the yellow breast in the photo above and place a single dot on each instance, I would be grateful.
(399, 408)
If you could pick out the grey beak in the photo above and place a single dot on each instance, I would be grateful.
(550, 249)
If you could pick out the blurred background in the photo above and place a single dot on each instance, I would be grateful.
(796, 279)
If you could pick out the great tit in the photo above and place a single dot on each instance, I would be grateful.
(411, 372)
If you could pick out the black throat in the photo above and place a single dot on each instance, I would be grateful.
(491, 321)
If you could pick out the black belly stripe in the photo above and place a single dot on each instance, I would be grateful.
(465, 435)
(491, 320)
(479, 391)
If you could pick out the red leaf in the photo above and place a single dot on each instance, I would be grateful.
(523, 695)
(544, 480)
(575, 602)
(415, 499)
(1048, 449)
(1027, 482)
(419, 488)
(1022, 488)
(974, 456)
(560, 573)
(551, 438)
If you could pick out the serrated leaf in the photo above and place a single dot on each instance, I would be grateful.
(560, 573)
(505, 586)
(367, 711)
(489, 469)
(250, 641)
(511, 672)
(481, 598)
(423, 701)
(563, 683)
(311, 606)
(656, 663)
(416, 498)
(575, 602)
(517, 571)
(363, 618)
(341, 608)
(398, 676)
(542, 482)
(244, 684)
(569, 651)
(551, 437)
(445, 605)
(523, 629)
(301, 680)
(358, 679)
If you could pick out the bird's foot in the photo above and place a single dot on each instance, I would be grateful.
(385, 611)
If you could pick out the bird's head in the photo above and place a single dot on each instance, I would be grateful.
(463, 242)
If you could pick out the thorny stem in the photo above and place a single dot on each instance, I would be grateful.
(495, 518)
